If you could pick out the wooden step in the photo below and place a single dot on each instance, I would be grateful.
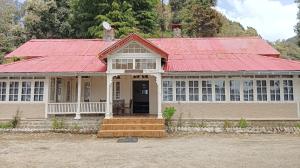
(133, 121)
(132, 127)
(131, 133)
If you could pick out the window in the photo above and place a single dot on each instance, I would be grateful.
(206, 91)
(13, 91)
(134, 48)
(116, 91)
(59, 90)
(235, 90)
(2, 91)
(261, 86)
(275, 90)
(180, 91)
(26, 91)
(122, 64)
(38, 91)
(288, 90)
(145, 64)
(69, 93)
(86, 91)
(193, 90)
(52, 89)
(248, 90)
(167, 91)
(220, 90)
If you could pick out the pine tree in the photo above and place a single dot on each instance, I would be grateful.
(120, 17)
(200, 20)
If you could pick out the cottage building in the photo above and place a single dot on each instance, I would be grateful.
(203, 78)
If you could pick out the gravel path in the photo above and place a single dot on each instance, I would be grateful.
(67, 150)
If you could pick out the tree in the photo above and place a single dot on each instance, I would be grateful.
(288, 48)
(48, 19)
(297, 27)
(146, 15)
(200, 20)
(120, 17)
(230, 28)
(87, 15)
(11, 30)
(176, 7)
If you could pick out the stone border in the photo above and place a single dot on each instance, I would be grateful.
(248, 130)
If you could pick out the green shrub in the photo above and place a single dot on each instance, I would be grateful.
(6, 125)
(242, 123)
(168, 114)
(298, 125)
(227, 124)
(15, 121)
(57, 124)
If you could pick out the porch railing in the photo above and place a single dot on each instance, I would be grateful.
(71, 108)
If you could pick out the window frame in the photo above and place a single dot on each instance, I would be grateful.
(235, 90)
(218, 97)
(264, 96)
(247, 92)
(26, 88)
(13, 92)
(209, 95)
(193, 92)
(116, 90)
(182, 94)
(166, 88)
(3, 96)
(39, 88)
(288, 93)
(275, 91)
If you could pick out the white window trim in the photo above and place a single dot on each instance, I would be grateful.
(227, 90)
(20, 91)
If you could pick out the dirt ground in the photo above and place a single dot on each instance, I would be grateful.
(67, 150)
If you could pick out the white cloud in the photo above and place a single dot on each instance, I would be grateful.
(272, 19)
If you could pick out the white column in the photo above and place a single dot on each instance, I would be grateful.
(108, 113)
(158, 82)
(77, 117)
(46, 96)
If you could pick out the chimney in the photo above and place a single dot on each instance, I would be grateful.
(176, 28)
(109, 35)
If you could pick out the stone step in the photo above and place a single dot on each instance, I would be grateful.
(131, 133)
(133, 121)
(132, 127)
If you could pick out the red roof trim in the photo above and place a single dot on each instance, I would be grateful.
(132, 37)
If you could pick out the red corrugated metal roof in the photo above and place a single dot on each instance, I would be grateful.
(184, 54)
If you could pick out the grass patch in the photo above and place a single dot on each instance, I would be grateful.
(6, 125)
(227, 124)
(243, 123)
(58, 124)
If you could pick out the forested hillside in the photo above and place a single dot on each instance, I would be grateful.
(149, 18)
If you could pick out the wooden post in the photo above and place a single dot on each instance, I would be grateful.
(158, 82)
(46, 97)
(77, 117)
(108, 112)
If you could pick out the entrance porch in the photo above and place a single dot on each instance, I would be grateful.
(129, 94)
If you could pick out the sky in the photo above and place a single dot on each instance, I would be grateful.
(273, 19)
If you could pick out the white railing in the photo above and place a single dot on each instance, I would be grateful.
(71, 108)
(92, 107)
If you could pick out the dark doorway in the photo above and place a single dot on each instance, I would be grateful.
(140, 96)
